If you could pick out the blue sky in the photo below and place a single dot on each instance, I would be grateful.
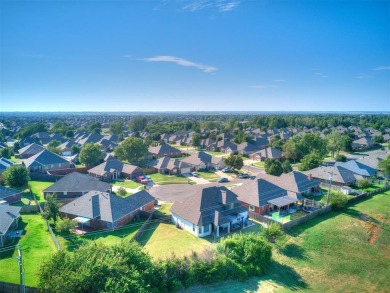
(195, 55)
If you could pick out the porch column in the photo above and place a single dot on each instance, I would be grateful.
(229, 227)
(217, 230)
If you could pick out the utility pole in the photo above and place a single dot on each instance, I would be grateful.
(330, 185)
(20, 262)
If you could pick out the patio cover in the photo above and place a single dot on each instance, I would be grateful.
(282, 201)
(82, 220)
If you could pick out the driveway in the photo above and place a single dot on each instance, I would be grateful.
(198, 180)
(254, 170)
(131, 190)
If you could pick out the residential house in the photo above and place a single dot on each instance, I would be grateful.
(267, 153)
(167, 165)
(30, 150)
(104, 210)
(245, 148)
(66, 147)
(115, 169)
(337, 175)
(358, 167)
(46, 161)
(10, 195)
(202, 160)
(205, 143)
(363, 143)
(164, 150)
(4, 164)
(9, 220)
(211, 210)
(75, 185)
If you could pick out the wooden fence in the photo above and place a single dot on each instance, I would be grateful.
(308, 217)
(144, 227)
(261, 218)
(15, 288)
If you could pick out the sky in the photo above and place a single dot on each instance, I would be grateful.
(201, 55)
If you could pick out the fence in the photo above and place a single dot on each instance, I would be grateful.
(366, 194)
(15, 288)
(144, 227)
(45, 177)
(29, 209)
(306, 218)
(261, 218)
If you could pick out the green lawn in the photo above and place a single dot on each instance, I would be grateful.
(161, 240)
(164, 209)
(16, 160)
(37, 188)
(372, 187)
(210, 176)
(27, 199)
(126, 184)
(216, 153)
(336, 252)
(162, 179)
(36, 245)
(258, 164)
(71, 242)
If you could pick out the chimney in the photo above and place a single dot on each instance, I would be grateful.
(309, 176)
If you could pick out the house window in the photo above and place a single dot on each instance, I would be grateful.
(65, 193)
(200, 230)
(206, 229)
(193, 227)
(252, 208)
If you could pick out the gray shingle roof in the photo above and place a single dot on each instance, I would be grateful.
(7, 216)
(202, 157)
(357, 167)
(340, 174)
(163, 150)
(5, 192)
(109, 207)
(169, 163)
(110, 165)
(31, 149)
(77, 182)
(44, 158)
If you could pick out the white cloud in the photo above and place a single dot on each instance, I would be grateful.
(220, 5)
(181, 62)
(363, 76)
(382, 68)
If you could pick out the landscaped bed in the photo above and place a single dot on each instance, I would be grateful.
(162, 179)
(36, 245)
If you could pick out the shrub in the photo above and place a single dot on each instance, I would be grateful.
(338, 200)
(65, 225)
(122, 192)
(341, 158)
(273, 231)
(363, 183)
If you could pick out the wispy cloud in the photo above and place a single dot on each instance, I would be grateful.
(382, 68)
(263, 86)
(363, 76)
(181, 62)
(31, 55)
(320, 74)
(220, 5)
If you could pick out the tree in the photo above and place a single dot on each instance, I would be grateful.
(234, 161)
(90, 154)
(138, 124)
(363, 183)
(276, 142)
(65, 225)
(5, 153)
(53, 146)
(384, 165)
(196, 140)
(379, 139)
(122, 192)
(286, 166)
(292, 149)
(16, 176)
(75, 149)
(117, 127)
(131, 149)
(336, 142)
(341, 158)
(273, 167)
(52, 208)
(94, 127)
(310, 161)
(338, 200)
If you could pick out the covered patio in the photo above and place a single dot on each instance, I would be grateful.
(285, 204)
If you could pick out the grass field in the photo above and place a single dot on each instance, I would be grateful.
(126, 184)
(336, 252)
(37, 188)
(210, 176)
(36, 246)
(107, 237)
(258, 164)
(216, 153)
(164, 209)
(162, 179)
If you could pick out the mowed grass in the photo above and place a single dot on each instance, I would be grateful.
(162, 179)
(210, 176)
(259, 165)
(126, 184)
(108, 237)
(331, 253)
(37, 188)
(36, 245)
(162, 240)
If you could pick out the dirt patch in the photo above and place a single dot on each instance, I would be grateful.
(374, 234)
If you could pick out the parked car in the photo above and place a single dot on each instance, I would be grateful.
(243, 176)
(227, 170)
(223, 179)
(142, 179)
(194, 174)
(147, 177)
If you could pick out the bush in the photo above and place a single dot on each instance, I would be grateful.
(122, 192)
(363, 183)
(65, 225)
(341, 158)
(273, 231)
(338, 200)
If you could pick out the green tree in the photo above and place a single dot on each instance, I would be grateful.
(122, 192)
(51, 211)
(53, 146)
(286, 166)
(363, 183)
(384, 166)
(341, 158)
(138, 124)
(65, 225)
(292, 149)
(273, 167)
(90, 154)
(276, 142)
(310, 161)
(336, 142)
(131, 149)
(379, 139)
(94, 127)
(5, 153)
(117, 127)
(234, 161)
(196, 140)
(16, 176)
(75, 149)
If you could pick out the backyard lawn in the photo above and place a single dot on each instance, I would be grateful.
(164, 209)
(36, 245)
(258, 164)
(16, 160)
(126, 184)
(337, 252)
(210, 176)
(162, 179)
(108, 237)
(37, 188)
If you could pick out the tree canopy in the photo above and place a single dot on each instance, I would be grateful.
(131, 149)
(16, 176)
(273, 167)
(90, 154)
(234, 161)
